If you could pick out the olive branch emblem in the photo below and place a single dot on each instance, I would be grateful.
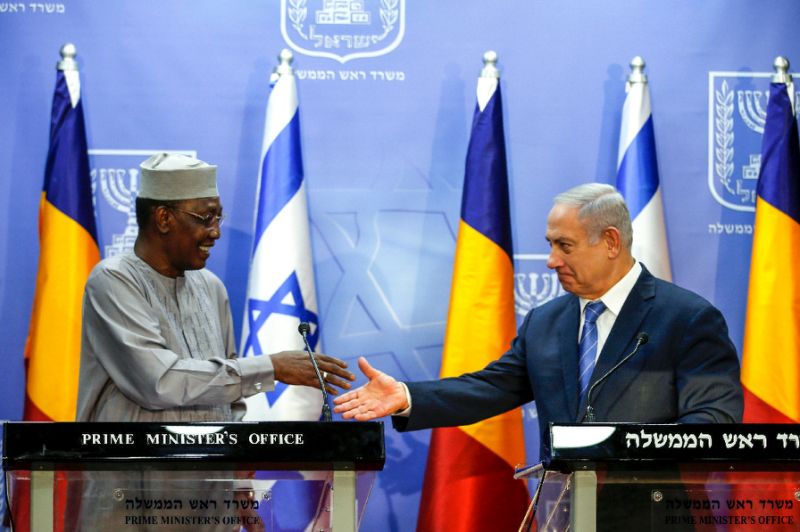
(297, 15)
(389, 14)
(723, 136)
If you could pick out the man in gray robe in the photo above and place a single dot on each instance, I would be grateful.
(157, 340)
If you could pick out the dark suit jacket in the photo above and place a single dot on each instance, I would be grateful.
(688, 372)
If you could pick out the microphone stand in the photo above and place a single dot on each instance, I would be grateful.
(303, 329)
(588, 416)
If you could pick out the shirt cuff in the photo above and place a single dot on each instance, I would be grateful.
(257, 374)
(407, 411)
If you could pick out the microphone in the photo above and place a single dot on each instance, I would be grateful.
(641, 339)
(304, 328)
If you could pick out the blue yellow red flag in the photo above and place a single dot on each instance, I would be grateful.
(771, 355)
(469, 482)
(68, 251)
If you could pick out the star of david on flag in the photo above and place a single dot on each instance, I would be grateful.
(288, 301)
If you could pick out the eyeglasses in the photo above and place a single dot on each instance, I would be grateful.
(208, 221)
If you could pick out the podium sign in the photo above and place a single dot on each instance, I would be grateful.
(203, 476)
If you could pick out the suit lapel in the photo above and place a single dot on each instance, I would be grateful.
(568, 347)
(621, 338)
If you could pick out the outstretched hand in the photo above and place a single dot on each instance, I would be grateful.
(382, 396)
(294, 367)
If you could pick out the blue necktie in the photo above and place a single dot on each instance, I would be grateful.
(588, 344)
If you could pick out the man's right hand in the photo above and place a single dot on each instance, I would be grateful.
(382, 396)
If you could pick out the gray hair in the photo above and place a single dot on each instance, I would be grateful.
(600, 206)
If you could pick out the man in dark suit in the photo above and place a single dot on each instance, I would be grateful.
(688, 372)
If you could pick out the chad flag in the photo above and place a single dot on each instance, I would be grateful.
(771, 358)
(68, 251)
(469, 482)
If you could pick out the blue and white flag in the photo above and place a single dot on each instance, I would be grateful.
(637, 177)
(281, 291)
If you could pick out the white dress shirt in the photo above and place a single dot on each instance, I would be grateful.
(613, 300)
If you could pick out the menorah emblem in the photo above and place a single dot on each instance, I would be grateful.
(533, 289)
(751, 110)
(120, 187)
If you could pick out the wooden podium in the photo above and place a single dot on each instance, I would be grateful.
(155, 476)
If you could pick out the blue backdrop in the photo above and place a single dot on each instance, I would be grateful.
(387, 91)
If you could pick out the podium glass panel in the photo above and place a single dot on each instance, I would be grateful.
(668, 478)
(178, 500)
(668, 501)
(199, 477)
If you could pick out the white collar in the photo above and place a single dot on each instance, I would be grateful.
(615, 297)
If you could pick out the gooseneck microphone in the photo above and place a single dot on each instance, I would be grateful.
(641, 339)
(304, 328)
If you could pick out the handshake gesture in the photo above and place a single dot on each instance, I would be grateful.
(382, 396)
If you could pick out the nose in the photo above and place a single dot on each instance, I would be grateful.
(215, 232)
(553, 260)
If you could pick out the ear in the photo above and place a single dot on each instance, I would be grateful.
(162, 219)
(613, 241)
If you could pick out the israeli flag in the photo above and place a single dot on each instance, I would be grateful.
(637, 177)
(281, 291)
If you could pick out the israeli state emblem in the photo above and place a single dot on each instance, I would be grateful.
(737, 111)
(343, 29)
